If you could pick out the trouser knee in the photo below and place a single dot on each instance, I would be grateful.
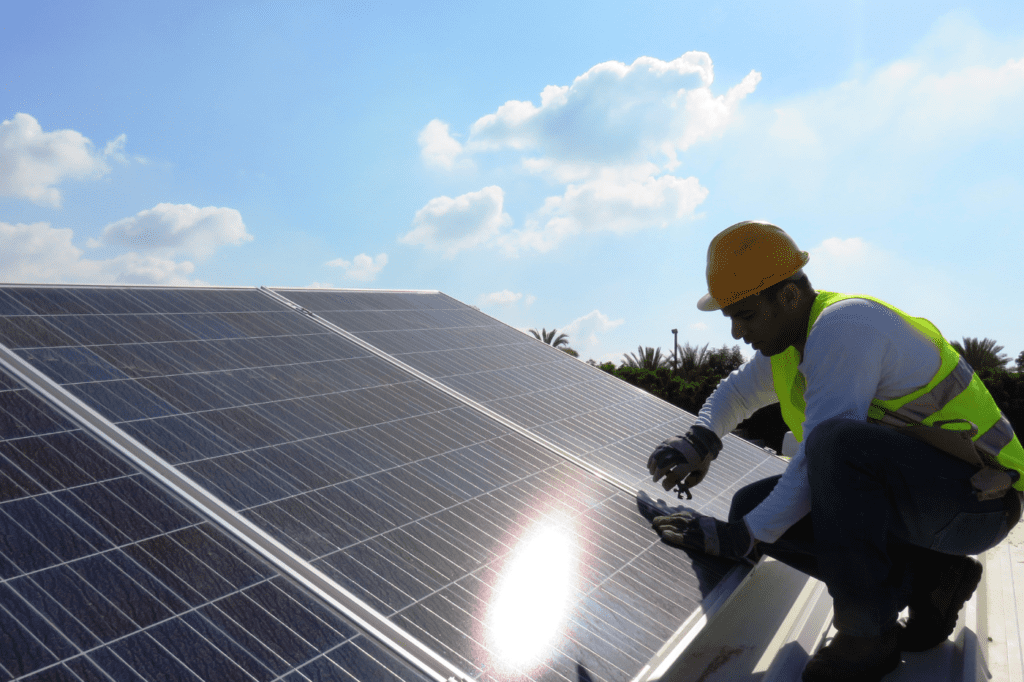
(749, 496)
(833, 444)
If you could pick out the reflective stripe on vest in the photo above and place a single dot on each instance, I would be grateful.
(954, 394)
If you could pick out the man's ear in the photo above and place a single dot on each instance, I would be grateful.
(790, 297)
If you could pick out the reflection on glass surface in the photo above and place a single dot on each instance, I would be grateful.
(531, 602)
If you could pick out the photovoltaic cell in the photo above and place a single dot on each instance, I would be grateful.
(580, 408)
(106, 576)
(434, 514)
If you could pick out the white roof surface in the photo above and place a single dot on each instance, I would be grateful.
(771, 623)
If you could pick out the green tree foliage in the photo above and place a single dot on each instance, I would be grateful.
(1007, 389)
(981, 354)
(569, 351)
(689, 395)
(1020, 362)
(550, 338)
(646, 358)
(693, 362)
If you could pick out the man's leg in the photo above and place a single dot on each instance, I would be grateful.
(874, 494)
(796, 546)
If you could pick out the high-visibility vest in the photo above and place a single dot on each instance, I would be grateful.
(954, 394)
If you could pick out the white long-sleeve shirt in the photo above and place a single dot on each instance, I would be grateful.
(856, 351)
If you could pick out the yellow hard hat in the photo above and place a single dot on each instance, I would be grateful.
(746, 258)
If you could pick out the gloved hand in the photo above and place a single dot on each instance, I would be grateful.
(684, 460)
(706, 534)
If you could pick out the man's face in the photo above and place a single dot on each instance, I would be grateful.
(763, 324)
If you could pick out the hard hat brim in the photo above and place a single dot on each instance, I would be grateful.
(707, 304)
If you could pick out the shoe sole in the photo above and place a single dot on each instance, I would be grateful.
(913, 637)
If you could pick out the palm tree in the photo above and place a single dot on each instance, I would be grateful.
(649, 358)
(692, 359)
(981, 354)
(549, 337)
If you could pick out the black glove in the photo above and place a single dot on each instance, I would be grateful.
(684, 460)
(706, 534)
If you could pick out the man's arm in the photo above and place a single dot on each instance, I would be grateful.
(684, 460)
(737, 396)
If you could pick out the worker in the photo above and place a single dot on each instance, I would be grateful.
(905, 465)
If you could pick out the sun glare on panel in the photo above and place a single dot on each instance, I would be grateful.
(532, 600)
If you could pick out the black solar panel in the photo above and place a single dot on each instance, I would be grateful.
(567, 402)
(415, 502)
(106, 576)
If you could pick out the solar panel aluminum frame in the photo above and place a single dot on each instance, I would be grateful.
(209, 506)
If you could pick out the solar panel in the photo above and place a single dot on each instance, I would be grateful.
(405, 495)
(569, 403)
(104, 575)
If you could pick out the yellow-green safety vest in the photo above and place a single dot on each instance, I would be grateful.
(954, 393)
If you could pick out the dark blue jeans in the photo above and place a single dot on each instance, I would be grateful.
(885, 508)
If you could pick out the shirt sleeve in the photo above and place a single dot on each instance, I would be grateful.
(848, 352)
(739, 395)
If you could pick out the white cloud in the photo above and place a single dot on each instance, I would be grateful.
(906, 105)
(881, 139)
(503, 298)
(699, 326)
(583, 331)
(33, 162)
(452, 225)
(362, 268)
(613, 202)
(37, 252)
(168, 230)
(529, 300)
(115, 150)
(617, 114)
(437, 146)
(612, 138)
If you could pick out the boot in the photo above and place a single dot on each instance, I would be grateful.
(935, 605)
(854, 659)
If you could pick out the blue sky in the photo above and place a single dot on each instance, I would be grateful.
(556, 164)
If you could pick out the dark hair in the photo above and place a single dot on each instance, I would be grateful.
(798, 278)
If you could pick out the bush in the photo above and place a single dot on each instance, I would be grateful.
(1007, 389)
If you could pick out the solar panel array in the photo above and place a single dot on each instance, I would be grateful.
(402, 492)
(571, 404)
(106, 576)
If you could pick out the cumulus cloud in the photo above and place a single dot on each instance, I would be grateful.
(437, 146)
(503, 298)
(362, 268)
(32, 162)
(612, 138)
(609, 203)
(583, 331)
(37, 252)
(452, 225)
(169, 230)
(617, 114)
